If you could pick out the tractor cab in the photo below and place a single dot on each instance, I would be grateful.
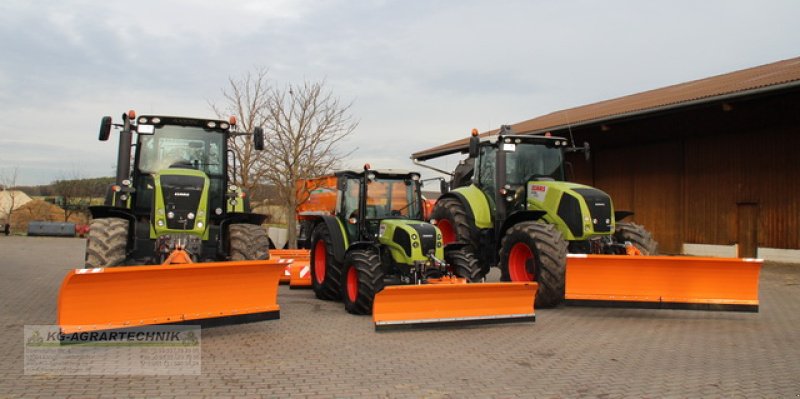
(507, 163)
(168, 146)
(371, 196)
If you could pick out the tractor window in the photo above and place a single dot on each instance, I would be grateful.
(487, 169)
(182, 146)
(393, 198)
(533, 162)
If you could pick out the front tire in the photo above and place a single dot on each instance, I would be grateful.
(248, 242)
(107, 242)
(325, 271)
(464, 264)
(540, 247)
(636, 235)
(361, 281)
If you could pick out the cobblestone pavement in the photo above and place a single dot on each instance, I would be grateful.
(317, 350)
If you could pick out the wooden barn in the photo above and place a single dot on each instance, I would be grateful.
(711, 166)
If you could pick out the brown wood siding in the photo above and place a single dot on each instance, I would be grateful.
(726, 171)
(687, 174)
(647, 181)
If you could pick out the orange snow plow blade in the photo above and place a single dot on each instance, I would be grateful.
(132, 296)
(453, 303)
(296, 257)
(300, 272)
(672, 282)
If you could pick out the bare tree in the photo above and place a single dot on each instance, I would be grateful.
(304, 125)
(8, 181)
(246, 97)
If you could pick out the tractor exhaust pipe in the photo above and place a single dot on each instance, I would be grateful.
(124, 154)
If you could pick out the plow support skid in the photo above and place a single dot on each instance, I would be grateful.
(426, 304)
(298, 273)
(290, 256)
(670, 282)
(124, 297)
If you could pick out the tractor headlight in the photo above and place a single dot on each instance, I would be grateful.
(200, 224)
(160, 223)
(170, 215)
(415, 244)
(414, 237)
(190, 216)
(439, 243)
(510, 198)
(218, 211)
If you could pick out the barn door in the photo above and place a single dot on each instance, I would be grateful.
(747, 226)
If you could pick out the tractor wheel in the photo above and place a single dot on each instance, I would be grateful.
(532, 251)
(636, 235)
(452, 221)
(248, 242)
(325, 271)
(361, 280)
(107, 242)
(464, 264)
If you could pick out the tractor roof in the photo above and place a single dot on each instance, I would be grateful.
(462, 146)
(381, 172)
(182, 121)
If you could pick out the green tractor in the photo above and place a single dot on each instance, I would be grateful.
(511, 206)
(175, 194)
(376, 237)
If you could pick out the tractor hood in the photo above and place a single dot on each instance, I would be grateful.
(410, 240)
(579, 211)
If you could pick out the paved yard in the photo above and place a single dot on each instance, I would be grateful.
(317, 350)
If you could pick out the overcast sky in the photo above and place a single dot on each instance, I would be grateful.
(419, 73)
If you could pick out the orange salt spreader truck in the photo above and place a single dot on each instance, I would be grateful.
(510, 206)
(175, 241)
(371, 248)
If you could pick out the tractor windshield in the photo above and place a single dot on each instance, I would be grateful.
(182, 146)
(393, 198)
(528, 161)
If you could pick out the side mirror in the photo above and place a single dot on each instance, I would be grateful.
(586, 152)
(443, 186)
(105, 128)
(474, 142)
(258, 138)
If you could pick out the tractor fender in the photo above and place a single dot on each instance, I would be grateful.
(103, 211)
(517, 217)
(619, 215)
(361, 245)
(475, 204)
(336, 230)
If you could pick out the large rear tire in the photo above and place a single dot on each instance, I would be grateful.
(451, 219)
(636, 235)
(248, 242)
(106, 243)
(361, 281)
(326, 273)
(537, 246)
(464, 264)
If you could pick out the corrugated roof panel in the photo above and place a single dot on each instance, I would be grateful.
(743, 81)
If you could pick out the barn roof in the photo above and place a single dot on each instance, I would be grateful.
(740, 83)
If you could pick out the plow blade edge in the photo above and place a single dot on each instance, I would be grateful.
(429, 304)
(670, 282)
(211, 293)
